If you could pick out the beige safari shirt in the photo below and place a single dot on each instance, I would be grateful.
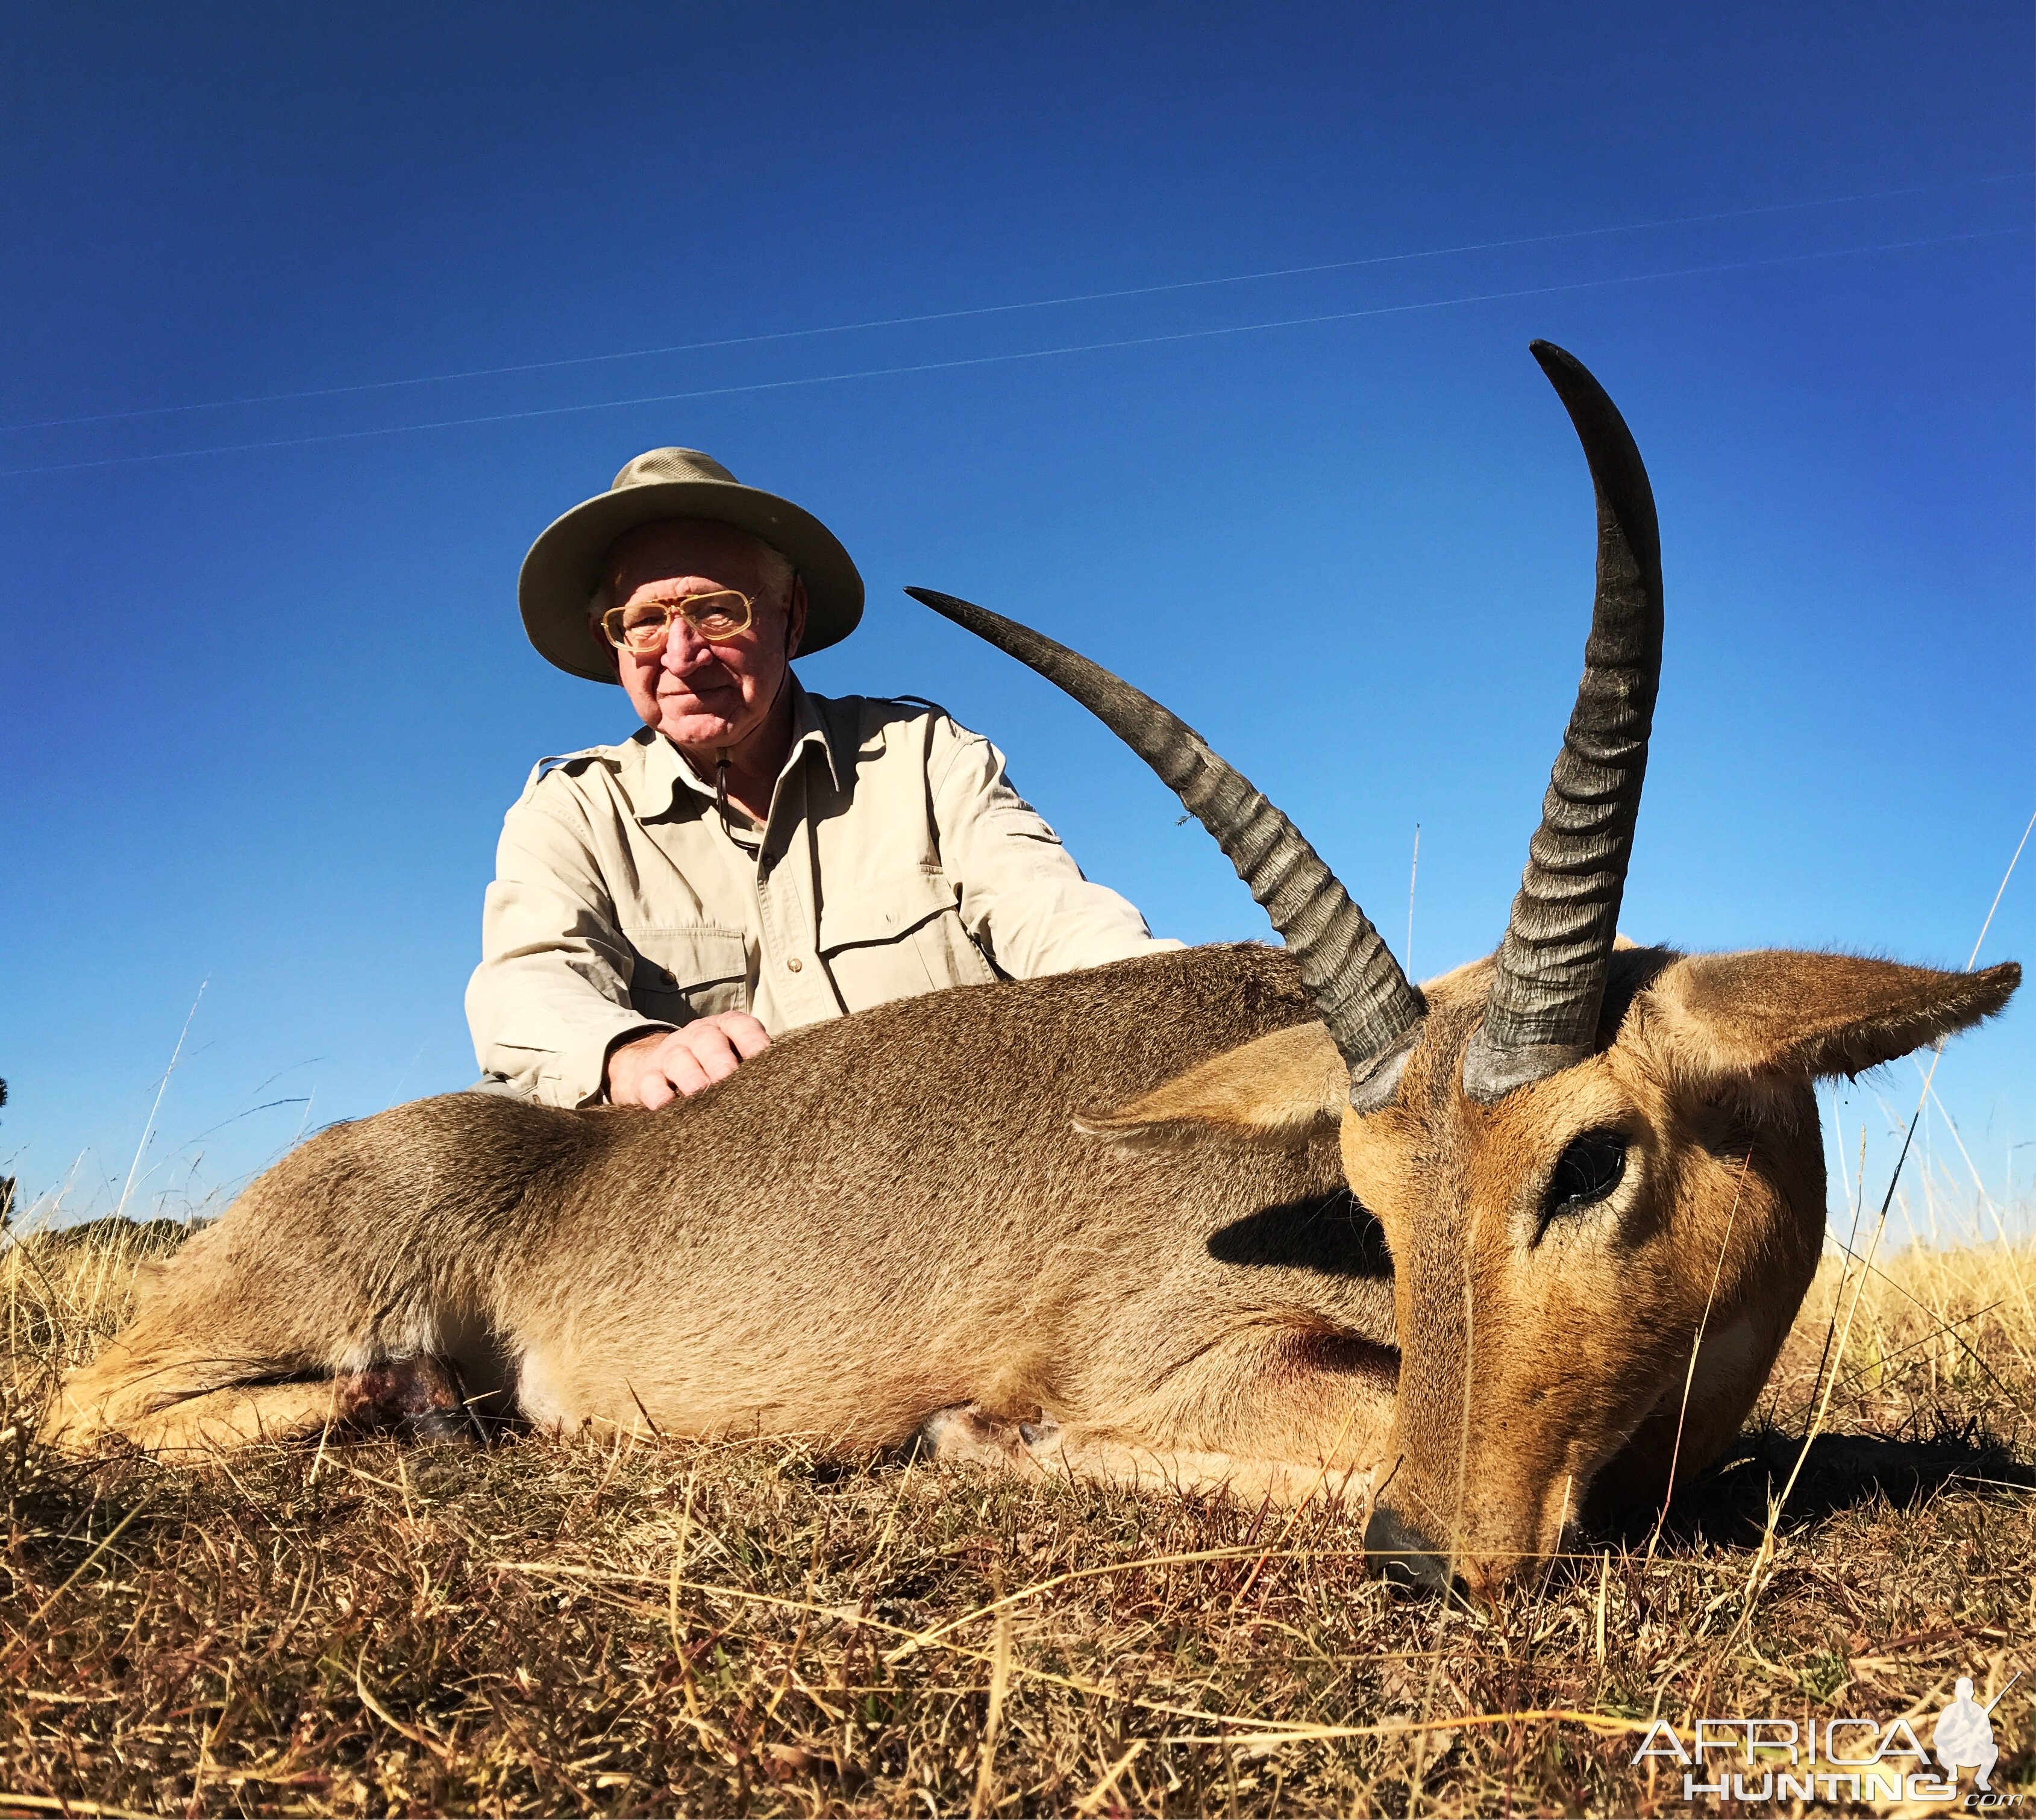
(896, 859)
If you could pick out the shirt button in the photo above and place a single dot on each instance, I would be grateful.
(793, 964)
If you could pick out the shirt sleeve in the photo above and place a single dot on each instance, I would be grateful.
(551, 996)
(1022, 896)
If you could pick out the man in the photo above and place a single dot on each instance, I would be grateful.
(756, 858)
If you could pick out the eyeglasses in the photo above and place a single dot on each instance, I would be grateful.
(643, 626)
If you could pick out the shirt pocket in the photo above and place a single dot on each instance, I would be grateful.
(687, 972)
(898, 940)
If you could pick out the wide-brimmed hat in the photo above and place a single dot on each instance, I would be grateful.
(563, 567)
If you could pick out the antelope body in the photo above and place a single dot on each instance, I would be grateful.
(1232, 1216)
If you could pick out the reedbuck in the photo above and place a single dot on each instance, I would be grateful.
(1235, 1216)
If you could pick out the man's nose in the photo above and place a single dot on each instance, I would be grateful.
(685, 651)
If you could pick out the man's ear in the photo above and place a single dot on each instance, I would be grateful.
(1778, 1013)
(795, 617)
(1281, 1090)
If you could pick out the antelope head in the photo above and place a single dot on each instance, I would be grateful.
(1598, 1167)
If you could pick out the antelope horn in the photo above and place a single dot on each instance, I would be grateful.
(1372, 1012)
(1548, 981)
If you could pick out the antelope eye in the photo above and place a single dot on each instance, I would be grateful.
(1587, 1171)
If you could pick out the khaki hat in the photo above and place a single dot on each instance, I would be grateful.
(563, 567)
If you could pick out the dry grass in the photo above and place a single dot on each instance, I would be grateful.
(588, 1626)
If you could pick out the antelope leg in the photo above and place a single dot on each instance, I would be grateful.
(239, 1415)
(418, 1398)
(1286, 1483)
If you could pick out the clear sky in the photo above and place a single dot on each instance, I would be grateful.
(1195, 335)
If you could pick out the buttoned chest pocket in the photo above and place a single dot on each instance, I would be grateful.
(897, 940)
(681, 974)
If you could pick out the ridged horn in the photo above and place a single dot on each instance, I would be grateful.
(1548, 981)
(1372, 1012)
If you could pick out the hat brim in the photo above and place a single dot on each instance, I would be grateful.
(563, 567)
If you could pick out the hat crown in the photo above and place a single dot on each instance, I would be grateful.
(656, 465)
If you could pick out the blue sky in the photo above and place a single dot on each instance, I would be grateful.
(267, 696)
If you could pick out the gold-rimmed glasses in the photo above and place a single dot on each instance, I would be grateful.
(643, 626)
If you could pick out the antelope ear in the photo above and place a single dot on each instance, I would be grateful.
(1281, 1090)
(1774, 1012)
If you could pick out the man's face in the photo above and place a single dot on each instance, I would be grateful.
(703, 697)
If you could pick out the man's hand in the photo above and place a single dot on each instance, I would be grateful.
(655, 1070)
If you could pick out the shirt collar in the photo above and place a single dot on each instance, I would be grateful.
(661, 770)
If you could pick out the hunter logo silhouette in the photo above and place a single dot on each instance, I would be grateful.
(1964, 1736)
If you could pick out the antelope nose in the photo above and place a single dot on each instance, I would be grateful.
(1395, 1550)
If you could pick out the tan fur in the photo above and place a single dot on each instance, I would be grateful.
(878, 1219)
(980, 1209)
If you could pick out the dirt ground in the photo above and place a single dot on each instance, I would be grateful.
(616, 1627)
